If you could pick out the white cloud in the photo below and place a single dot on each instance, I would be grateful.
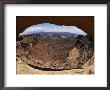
(47, 27)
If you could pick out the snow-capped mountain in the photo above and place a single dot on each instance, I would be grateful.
(52, 28)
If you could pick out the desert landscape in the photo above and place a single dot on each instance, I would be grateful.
(54, 49)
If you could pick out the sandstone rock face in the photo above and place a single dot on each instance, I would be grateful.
(53, 53)
(74, 54)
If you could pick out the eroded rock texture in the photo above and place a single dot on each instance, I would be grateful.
(55, 52)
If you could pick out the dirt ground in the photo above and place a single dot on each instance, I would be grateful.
(23, 68)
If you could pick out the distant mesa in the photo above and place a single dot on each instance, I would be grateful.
(47, 28)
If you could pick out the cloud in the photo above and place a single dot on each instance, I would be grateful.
(47, 27)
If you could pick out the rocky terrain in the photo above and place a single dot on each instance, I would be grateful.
(23, 68)
(55, 52)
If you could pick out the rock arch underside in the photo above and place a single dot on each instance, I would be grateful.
(55, 52)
